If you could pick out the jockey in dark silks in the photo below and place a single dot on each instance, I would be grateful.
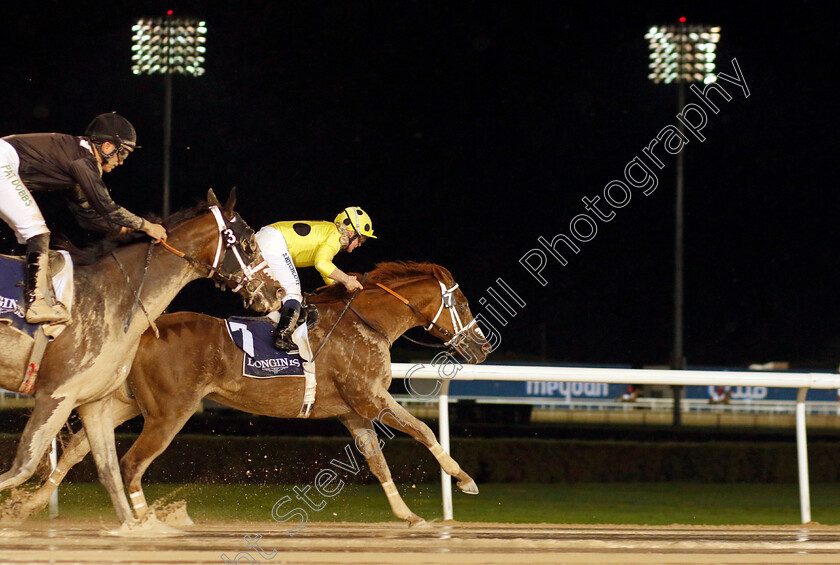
(54, 161)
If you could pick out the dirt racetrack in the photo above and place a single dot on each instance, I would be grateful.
(69, 542)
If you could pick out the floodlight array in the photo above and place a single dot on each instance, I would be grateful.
(168, 46)
(682, 53)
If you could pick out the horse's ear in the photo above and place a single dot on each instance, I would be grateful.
(211, 198)
(443, 275)
(231, 202)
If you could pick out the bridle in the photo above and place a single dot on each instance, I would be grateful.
(231, 250)
(249, 266)
(447, 301)
(237, 261)
(430, 324)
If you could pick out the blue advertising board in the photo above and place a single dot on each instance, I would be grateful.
(569, 391)
(535, 389)
(749, 393)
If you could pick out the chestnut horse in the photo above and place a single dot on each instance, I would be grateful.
(91, 358)
(196, 358)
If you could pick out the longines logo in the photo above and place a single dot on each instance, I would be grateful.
(10, 305)
(272, 365)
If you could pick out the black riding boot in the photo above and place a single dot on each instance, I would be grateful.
(41, 305)
(289, 314)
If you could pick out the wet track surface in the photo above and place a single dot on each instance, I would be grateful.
(67, 542)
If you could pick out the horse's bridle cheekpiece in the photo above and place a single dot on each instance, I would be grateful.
(236, 259)
(241, 253)
(447, 301)
(235, 265)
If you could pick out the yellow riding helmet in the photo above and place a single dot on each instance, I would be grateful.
(356, 219)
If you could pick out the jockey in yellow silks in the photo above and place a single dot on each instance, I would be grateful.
(288, 245)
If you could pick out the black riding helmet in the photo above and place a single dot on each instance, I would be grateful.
(114, 128)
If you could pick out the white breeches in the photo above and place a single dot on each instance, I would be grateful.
(276, 253)
(17, 207)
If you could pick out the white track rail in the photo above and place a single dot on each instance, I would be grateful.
(801, 381)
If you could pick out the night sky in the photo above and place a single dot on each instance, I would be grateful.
(470, 129)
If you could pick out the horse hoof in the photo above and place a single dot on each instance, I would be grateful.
(16, 508)
(468, 487)
(175, 514)
(147, 526)
(418, 523)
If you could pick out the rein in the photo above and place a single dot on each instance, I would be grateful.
(137, 294)
(423, 343)
(346, 306)
(140, 290)
(227, 240)
(429, 322)
(371, 325)
(407, 303)
(211, 270)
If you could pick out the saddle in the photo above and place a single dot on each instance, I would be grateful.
(12, 268)
(262, 360)
(13, 313)
(254, 336)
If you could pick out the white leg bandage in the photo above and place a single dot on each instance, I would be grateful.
(390, 489)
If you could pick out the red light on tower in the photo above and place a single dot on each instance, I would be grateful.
(169, 13)
(682, 20)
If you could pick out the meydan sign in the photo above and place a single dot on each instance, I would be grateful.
(567, 392)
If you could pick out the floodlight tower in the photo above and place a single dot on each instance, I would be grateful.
(681, 54)
(168, 46)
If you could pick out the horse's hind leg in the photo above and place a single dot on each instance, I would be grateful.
(387, 411)
(73, 453)
(47, 418)
(364, 433)
(99, 427)
(159, 429)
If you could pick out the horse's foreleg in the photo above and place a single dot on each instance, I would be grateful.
(158, 432)
(96, 417)
(378, 466)
(73, 453)
(46, 420)
(397, 417)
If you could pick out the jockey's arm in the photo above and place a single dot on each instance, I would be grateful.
(350, 282)
(96, 194)
(87, 217)
(324, 265)
(331, 273)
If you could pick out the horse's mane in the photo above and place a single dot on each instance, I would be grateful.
(388, 272)
(384, 273)
(90, 254)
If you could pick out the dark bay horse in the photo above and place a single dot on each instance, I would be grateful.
(91, 358)
(195, 358)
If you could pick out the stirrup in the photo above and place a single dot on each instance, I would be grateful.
(309, 314)
(285, 343)
(39, 298)
(289, 347)
(283, 340)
